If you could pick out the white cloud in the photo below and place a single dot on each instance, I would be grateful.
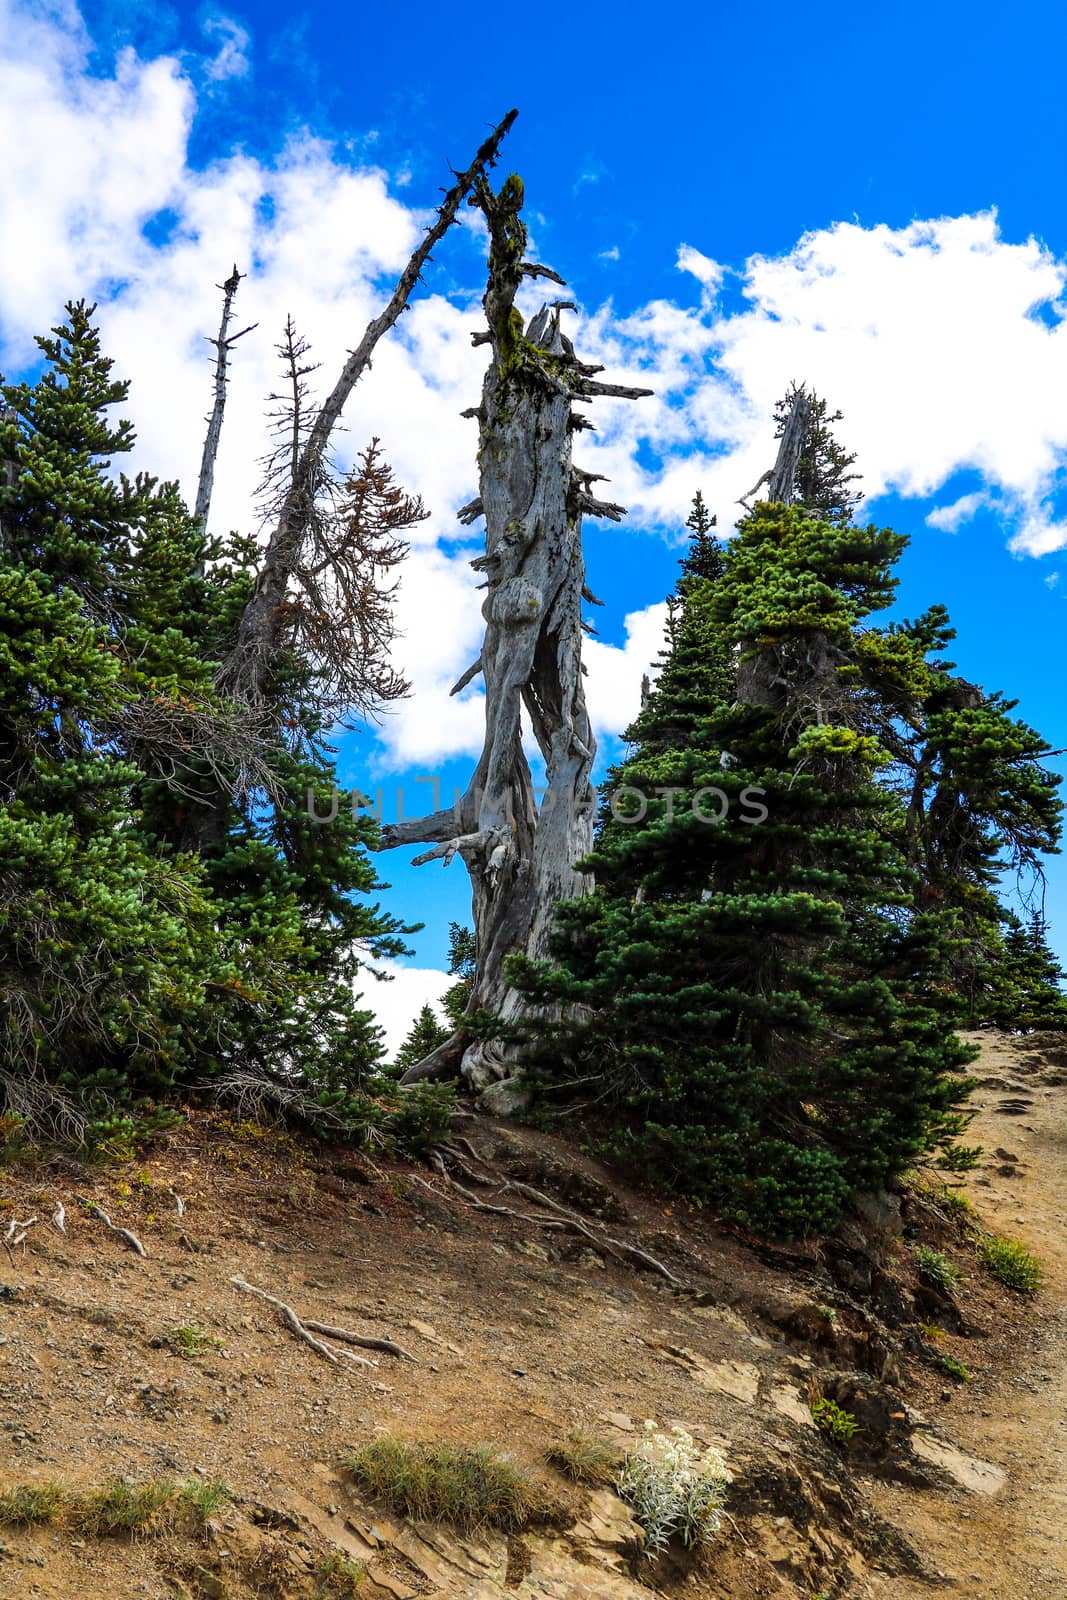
(943, 343)
(233, 41)
(702, 267)
(612, 254)
(614, 682)
(952, 517)
(1052, 580)
(397, 1001)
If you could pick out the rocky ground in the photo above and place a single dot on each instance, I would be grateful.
(521, 1330)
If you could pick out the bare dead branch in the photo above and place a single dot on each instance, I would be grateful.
(224, 343)
(263, 620)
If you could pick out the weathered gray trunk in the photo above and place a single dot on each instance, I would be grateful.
(521, 854)
(764, 677)
(223, 345)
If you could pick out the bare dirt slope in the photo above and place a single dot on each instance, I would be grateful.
(1015, 1412)
(521, 1330)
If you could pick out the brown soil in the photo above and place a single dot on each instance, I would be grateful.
(1014, 1412)
(519, 1333)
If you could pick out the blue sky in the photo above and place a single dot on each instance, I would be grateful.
(738, 196)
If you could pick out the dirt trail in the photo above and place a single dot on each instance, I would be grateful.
(1013, 1544)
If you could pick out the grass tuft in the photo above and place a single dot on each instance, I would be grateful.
(205, 1496)
(1011, 1264)
(956, 1369)
(28, 1503)
(121, 1506)
(583, 1458)
(340, 1579)
(469, 1488)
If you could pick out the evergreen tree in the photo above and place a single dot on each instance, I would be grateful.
(974, 801)
(761, 997)
(694, 671)
(170, 909)
(1025, 988)
(704, 557)
(462, 961)
(109, 955)
(425, 1035)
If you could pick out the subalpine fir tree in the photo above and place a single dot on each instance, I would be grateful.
(462, 962)
(974, 799)
(425, 1034)
(1025, 979)
(109, 953)
(694, 670)
(760, 997)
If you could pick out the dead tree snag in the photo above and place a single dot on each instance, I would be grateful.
(522, 855)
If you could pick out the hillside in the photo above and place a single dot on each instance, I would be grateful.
(521, 1330)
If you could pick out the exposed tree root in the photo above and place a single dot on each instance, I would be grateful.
(386, 1346)
(16, 1235)
(290, 1318)
(305, 1328)
(126, 1234)
(564, 1218)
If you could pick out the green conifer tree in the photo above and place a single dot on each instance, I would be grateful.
(761, 996)
(462, 960)
(823, 478)
(425, 1035)
(170, 907)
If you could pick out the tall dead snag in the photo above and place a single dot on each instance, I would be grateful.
(781, 478)
(223, 345)
(521, 856)
(262, 626)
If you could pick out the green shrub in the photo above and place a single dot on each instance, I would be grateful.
(1011, 1264)
(584, 1458)
(189, 1341)
(934, 1268)
(469, 1488)
(674, 1488)
(960, 1157)
(956, 1369)
(831, 1419)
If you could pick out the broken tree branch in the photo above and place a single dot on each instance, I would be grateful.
(248, 665)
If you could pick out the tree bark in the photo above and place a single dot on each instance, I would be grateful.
(248, 667)
(522, 856)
